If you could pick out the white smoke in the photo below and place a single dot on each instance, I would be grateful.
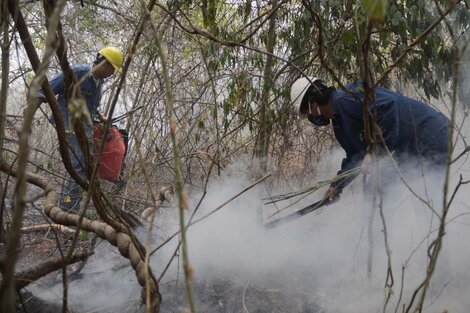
(106, 284)
(327, 251)
(323, 255)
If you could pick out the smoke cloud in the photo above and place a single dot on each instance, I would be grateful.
(335, 257)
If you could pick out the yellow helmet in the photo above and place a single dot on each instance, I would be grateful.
(113, 55)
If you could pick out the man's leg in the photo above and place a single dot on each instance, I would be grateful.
(71, 196)
(72, 193)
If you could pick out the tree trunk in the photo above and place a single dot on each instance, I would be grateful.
(264, 133)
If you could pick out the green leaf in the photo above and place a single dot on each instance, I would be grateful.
(349, 36)
(246, 11)
(84, 235)
(38, 168)
(200, 123)
(186, 53)
(396, 18)
(375, 9)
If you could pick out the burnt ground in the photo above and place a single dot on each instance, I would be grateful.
(215, 296)
(41, 247)
(225, 296)
(42, 244)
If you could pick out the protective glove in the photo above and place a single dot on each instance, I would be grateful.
(332, 194)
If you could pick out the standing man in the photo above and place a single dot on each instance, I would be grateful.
(91, 79)
(409, 128)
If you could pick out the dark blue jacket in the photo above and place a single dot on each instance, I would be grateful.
(89, 87)
(409, 127)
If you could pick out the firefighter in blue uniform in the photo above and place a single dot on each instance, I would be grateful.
(410, 128)
(91, 79)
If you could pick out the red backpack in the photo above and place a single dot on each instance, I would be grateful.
(113, 152)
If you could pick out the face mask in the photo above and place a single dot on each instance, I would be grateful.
(318, 120)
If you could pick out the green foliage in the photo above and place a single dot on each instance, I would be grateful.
(39, 168)
(462, 18)
(176, 5)
(209, 11)
(84, 235)
(246, 8)
(201, 123)
(225, 82)
(375, 9)
(401, 23)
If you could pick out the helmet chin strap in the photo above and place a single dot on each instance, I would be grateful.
(318, 120)
(98, 59)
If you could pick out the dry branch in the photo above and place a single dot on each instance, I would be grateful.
(163, 194)
(122, 241)
(46, 227)
(23, 279)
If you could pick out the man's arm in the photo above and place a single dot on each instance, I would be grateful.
(333, 192)
(57, 86)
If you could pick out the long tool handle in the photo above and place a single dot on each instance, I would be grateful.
(123, 116)
(295, 215)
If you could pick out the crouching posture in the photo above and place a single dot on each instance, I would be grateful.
(408, 128)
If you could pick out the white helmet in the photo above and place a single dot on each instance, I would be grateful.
(299, 88)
